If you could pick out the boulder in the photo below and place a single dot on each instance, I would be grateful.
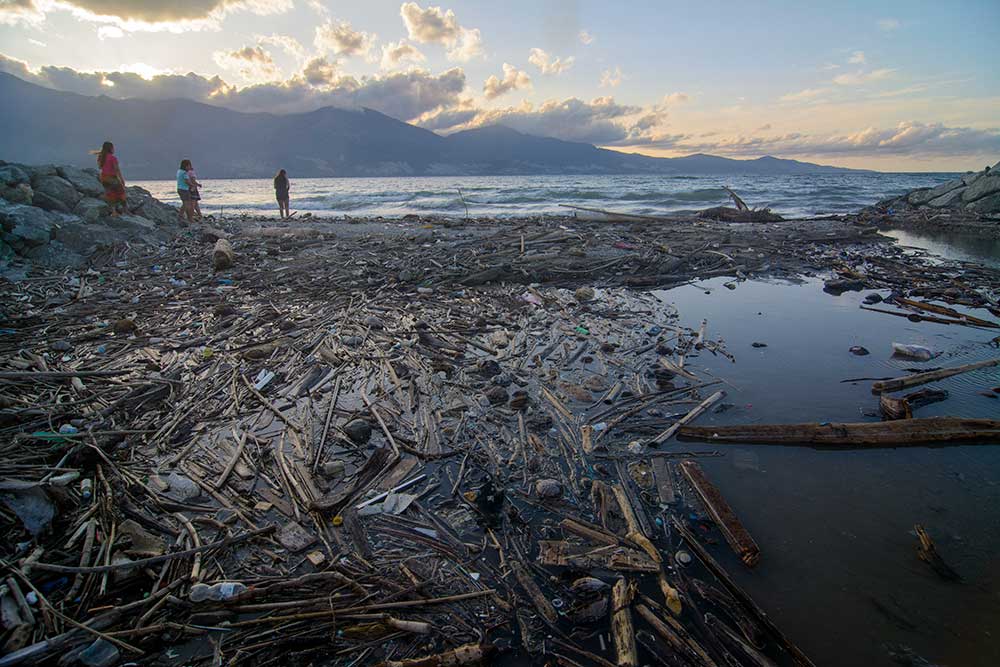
(84, 237)
(84, 180)
(11, 174)
(17, 194)
(973, 176)
(25, 227)
(953, 198)
(920, 197)
(91, 210)
(40, 170)
(132, 225)
(56, 188)
(990, 204)
(54, 254)
(48, 203)
(139, 201)
(986, 185)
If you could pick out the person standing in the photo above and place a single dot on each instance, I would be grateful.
(195, 194)
(184, 191)
(111, 178)
(281, 188)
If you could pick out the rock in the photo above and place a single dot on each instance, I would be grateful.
(294, 537)
(61, 346)
(972, 177)
(25, 226)
(91, 210)
(81, 236)
(758, 344)
(84, 180)
(144, 543)
(223, 256)
(32, 506)
(952, 198)
(920, 197)
(873, 298)
(48, 203)
(839, 286)
(497, 395)
(124, 327)
(358, 430)
(181, 488)
(333, 468)
(986, 185)
(584, 294)
(499, 339)
(139, 201)
(987, 205)
(39, 170)
(18, 194)
(859, 350)
(518, 400)
(132, 225)
(12, 175)
(58, 189)
(548, 488)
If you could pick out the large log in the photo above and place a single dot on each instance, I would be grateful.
(902, 433)
(222, 255)
(737, 536)
(930, 376)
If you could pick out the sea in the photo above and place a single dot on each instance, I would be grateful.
(510, 196)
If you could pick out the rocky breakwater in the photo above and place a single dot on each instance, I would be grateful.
(55, 216)
(968, 203)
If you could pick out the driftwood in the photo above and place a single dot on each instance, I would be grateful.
(928, 553)
(690, 416)
(467, 654)
(741, 597)
(611, 557)
(737, 536)
(906, 432)
(222, 255)
(930, 376)
(534, 593)
(622, 634)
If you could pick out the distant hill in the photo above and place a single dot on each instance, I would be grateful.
(152, 136)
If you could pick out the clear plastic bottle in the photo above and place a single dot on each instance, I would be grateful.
(224, 590)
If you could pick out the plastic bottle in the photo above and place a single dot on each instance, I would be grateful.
(224, 590)
(87, 488)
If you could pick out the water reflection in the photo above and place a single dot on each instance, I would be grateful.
(952, 246)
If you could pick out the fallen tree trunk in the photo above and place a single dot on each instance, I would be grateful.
(930, 376)
(621, 624)
(870, 434)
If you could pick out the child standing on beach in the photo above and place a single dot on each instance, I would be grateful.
(195, 193)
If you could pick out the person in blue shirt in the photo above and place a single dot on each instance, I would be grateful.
(184, 189)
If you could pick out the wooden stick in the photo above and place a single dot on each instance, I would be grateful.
(241, 439)
(930, 376)
(146, 562)
(621, 624)
(270, 406)
(541, 603)
(737, 536)
(692, 415)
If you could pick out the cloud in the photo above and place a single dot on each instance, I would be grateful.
(585, 37)
(907, 138)
(110, 32)
(673, 99)
(611, 78)
(133, 15)
(396, 53)
(320, 72)
(861, 77)
(807, 95)
(342, 39)
(288, 44)
(430, 25)
(547, 64)
(513, 79)
(435, 26)
(602, 120)
(888, 24)
(857, 58)
(37, 43)
(403, 95)
(253, 63)
(444, 118)
(764, 128)
(469, 46)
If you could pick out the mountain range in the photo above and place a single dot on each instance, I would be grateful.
(42, 126)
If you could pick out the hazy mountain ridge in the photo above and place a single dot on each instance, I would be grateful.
(48, 126)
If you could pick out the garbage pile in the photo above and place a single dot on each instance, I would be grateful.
(255, 465)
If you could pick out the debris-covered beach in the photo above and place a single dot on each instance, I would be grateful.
(444, 441)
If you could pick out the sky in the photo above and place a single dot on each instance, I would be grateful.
(894, 86)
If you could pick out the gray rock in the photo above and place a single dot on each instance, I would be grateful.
(140, 202)
(973, 176)
(48, 203)
(987, 205)
(11, 174)
(55, 254)
(953, 198)
(17, 194)
(84, 180)
(32, 506)
(25, 227)
(920, 197)
(358, 430)
(181, 489)
(57, 188)
(39, 170)
(982, 187)
(91, 209)
(81, 236)
(131, 225)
